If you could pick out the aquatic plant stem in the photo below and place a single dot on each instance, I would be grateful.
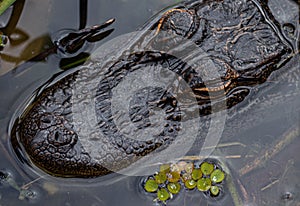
(286, 139)
(4, 4)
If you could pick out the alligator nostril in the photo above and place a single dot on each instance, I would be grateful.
(46, 120)
(61, 137)
(56, 136)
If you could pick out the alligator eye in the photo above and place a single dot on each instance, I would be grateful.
(183, 22)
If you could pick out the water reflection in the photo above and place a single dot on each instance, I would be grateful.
(24, 43)
(257, 128)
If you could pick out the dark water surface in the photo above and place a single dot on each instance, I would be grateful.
(260, 142)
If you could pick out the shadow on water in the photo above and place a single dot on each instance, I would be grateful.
(260, 142)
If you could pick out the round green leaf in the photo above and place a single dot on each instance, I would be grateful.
(214, 190)
(151, 185)
(217, 176)
(185, 177)
(163, 194)
(196, 174)
(203, 184)
(206, 168)
(189, 168)
(164, 168)
(174, 187)
(160, 177)
(190, 184)
(173, 176)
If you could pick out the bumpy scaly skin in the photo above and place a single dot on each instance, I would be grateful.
(243, 46)
(48, 135)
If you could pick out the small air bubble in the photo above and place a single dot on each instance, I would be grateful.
(287, 196)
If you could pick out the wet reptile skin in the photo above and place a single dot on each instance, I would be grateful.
(244, 45)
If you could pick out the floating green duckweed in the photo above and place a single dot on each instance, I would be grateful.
(189, 167)
(207, 168)
(163, 194)
(181, 166)
(203, 184)
(174, 188)
(172, 177)
(151, 185)
(190, 184)
(185, 177)
(214, 190)
(164, 168)
(160, 177)
(175, 168)
(196, 174)
(217, 176)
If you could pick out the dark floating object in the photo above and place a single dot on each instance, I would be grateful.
(242, 41)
